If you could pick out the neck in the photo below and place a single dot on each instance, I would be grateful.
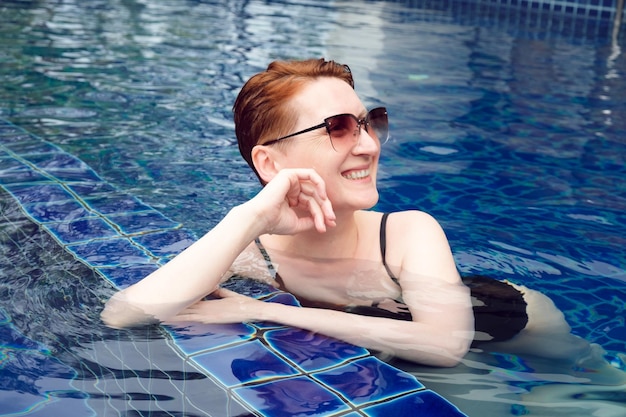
(341, 241)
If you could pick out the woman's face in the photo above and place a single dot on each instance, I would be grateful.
(348, 168)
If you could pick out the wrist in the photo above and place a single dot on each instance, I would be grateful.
(247, 219)
(270, 312)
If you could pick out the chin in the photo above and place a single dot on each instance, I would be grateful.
(370, 202)
(360, 198)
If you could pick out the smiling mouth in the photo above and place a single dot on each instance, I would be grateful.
(357, 175)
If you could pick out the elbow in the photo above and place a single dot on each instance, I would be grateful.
(456, 351)
(113, 322)
(447, 361)
(447, 355)
(114, 316)
(111, 319)
(119, 313)
(452, 353)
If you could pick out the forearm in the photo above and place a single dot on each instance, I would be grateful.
(191, 275)
(412, 341)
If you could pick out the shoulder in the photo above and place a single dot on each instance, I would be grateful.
(415, 224)
(418, 243)
(411, 225)
(403, 218)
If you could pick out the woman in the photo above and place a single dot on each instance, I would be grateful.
(315, 148)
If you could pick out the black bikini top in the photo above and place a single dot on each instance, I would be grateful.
(383, 247)
(398, 311)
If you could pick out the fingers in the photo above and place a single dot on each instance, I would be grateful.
(316, 180)
(309, 190)
(295, 200)
(230, 307)
(306, 201)
(225, 293)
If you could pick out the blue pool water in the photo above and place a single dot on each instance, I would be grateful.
(117, 149)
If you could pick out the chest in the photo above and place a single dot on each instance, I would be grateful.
(342, 282)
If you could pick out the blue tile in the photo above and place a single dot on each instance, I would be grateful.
(15, 339)
(59, 160)
(125, 275)
(312, 351)
(63, 166)
(248, 362)
(29, 389)
(283, 298)
(299, 396)
(192, 338)
(18, 173)
(424, 404)
(145, 221)
(111, 252)
(268, 325)
(67, 175)
(115, 203)
(92, 189)
(368, 380)
(32, 146)
(81, 230)
(166, 244)
(55, 211)
(38, 193)
(8, 162)
(12, 134)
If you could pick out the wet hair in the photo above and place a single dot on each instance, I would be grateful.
(262, 111)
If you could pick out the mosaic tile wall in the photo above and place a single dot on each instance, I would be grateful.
(542, 18)
(590, 9)
(274, 370)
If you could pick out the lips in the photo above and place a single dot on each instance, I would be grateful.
(356, 174)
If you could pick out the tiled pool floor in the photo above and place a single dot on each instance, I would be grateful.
(212, 369)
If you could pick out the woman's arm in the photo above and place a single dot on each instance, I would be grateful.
(197, 271)
(412, 341)
(431, 285)
(187, 278)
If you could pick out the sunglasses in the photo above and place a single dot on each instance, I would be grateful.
(345, 129)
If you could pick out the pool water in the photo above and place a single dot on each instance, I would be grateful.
(507, 125)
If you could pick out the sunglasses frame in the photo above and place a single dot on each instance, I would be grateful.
(362, 122)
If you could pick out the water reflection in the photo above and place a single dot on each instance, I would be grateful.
(500, 384)
(512, 134)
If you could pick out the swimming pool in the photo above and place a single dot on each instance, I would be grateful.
(508, 127)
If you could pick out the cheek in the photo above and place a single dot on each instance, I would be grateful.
(316, 154)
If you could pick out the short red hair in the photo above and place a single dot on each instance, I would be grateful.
(262, 111)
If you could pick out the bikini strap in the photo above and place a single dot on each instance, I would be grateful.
(266, 256)
(383, 246)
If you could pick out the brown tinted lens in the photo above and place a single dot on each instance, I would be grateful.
(379, 124)
(341, 126)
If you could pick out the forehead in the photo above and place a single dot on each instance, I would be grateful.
(325, 97)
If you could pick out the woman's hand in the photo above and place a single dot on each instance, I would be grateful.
(294, 201)
(231, 307)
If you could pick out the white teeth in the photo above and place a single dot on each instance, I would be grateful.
(357, 175)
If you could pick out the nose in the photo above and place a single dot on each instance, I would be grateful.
(366, 143)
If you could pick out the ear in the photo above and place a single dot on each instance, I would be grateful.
(265, 162)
